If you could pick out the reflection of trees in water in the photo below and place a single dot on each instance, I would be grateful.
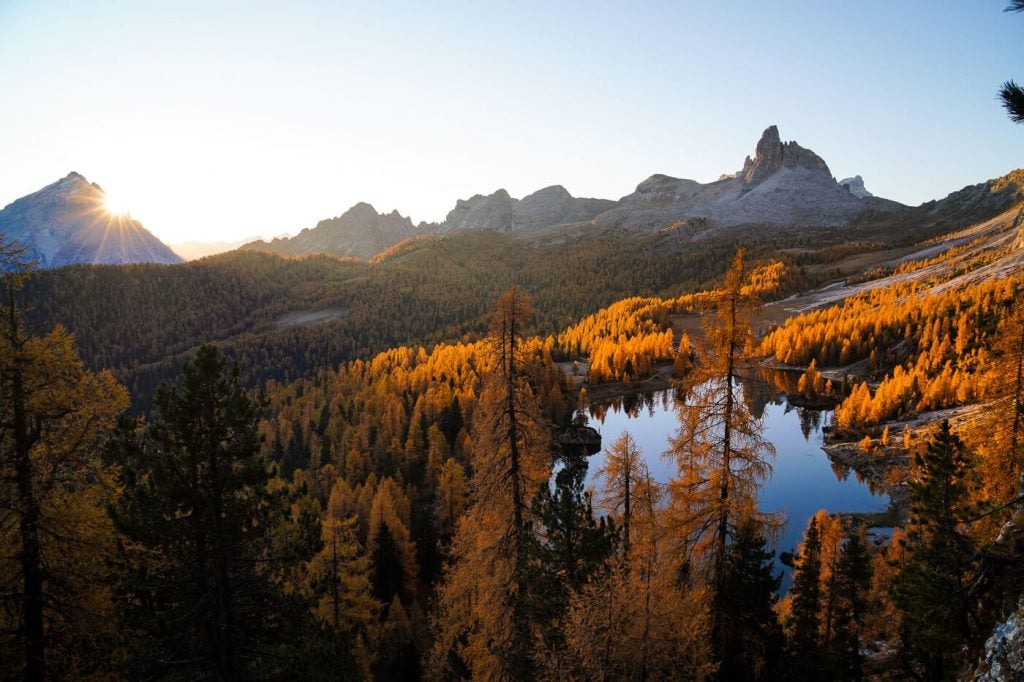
(843, 471)
(759, 387)
(782, 381)
(810, 421)
(763, 386)
(840, 470)
(632, 404)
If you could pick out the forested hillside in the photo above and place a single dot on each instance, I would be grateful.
(142, 321)
(282, 318)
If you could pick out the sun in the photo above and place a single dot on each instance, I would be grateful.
(114, 206)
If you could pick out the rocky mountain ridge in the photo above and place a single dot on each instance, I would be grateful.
(67, 222)
(360, 232)
(544, 208)
(782, 184)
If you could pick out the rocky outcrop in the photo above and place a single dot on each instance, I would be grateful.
(544, 208)
(1003, 657)
(1018, 227)
(555, 206)
(360, 232)
(855, 186)
(772, 155)
(782, 184)
(494, 211)
(578, 440)
(68, 222)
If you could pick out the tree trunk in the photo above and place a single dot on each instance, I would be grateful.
(626, 511)
(32, 629)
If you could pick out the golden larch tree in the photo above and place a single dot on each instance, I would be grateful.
(482, 627)
(722, 457)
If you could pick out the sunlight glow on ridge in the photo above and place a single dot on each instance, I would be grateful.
(114, 206)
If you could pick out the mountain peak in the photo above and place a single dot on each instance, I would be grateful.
(361, 210)
(855, 185)
(550, 192)
(359, 232)
(67, 222)
(772, 154)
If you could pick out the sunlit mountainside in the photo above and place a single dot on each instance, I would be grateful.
(73, 221)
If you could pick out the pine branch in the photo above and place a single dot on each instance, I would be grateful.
(1012, 96)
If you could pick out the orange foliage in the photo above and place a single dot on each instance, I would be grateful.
(935, 340)
(625, 340)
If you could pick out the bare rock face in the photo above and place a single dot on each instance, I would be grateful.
(767, 158)
(555, 206)
(544, 208)
(855, 186)
(1018, 226)
(494, 211)
(984, 199)
(1003, 656)
(579, 440)
(783, 184)
(360, 232)
(664, 189)
(67, 222)
(771, 155)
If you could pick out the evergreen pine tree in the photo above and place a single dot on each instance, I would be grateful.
(572, 546)
(853, 578)
(296, 455)
(751, 644)
(1011, 94)
(930, 587)
(387, 567)
(198, 572)
(803, 648)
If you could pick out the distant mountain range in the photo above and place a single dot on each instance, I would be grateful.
(783, 184)
(361, 232)
(67, 222)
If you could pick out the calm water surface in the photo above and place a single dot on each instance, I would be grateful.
(804, 480)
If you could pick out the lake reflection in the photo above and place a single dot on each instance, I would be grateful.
(804, 480)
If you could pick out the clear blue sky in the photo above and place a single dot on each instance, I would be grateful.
(222, 120)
